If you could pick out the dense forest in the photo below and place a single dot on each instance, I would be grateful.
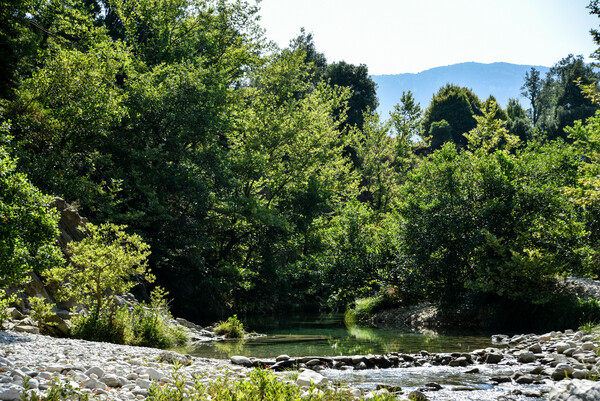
(262, 179)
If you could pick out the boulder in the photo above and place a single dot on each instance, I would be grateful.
(308, 376)
(241, 360)
(493, 357)
(561, 371)
(526, 357)
(10, 392)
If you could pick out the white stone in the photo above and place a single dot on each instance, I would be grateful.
(575, 390)
(241, 360)
(308, 376)
(154, 374)
(95, 370)
(588, 346)
(143, 383)
(111, 380)
(93, 384)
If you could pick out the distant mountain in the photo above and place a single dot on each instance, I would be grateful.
(502, 80)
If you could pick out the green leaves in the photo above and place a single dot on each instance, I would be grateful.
(107, 263)
(28, 226)
(491, 222)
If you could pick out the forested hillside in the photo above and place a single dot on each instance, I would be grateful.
(262, 179)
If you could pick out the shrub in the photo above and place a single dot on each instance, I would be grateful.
(5, 301)
(364, 308)
(151, 326)
(41, 311)
(231, 328)
(147, 325)
(104, 325)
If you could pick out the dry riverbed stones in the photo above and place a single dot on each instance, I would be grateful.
(110, 371)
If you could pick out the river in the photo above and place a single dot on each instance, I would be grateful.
(327, 335)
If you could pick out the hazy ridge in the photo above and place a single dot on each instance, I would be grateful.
(503, 80)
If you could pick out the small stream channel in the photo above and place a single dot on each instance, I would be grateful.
(328, 336)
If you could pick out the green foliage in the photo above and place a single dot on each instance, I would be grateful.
(375, 156)
(57, 391)
(458, 107)
(496, 223)
(490, 133)
(260, 385)
(29, 225)
(363, 98)
(364, 308)
(5, 302)
(232, 328)
(151, 324)
(102, 265)
(532, 91)
(142, 324)
(41, 311)
(562, 98)
(406, 120)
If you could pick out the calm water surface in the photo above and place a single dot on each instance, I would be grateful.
(329, 336)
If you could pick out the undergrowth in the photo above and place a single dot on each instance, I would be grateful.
(144, 324)
(260, 385)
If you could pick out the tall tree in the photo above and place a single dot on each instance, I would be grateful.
(562, 99)
(532, 90)
(363, 88)
(457, 106)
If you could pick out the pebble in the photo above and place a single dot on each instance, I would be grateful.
(116, 372)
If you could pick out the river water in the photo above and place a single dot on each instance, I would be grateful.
(328, 336)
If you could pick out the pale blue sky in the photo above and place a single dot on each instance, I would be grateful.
(397, 36)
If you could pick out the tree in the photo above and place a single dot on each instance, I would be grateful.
(28, 225)
(532, 90)
(363, 97)
(317, 60)
(495, 223)
(491, 133)
(562, 98)
(375, 153)
(106, 263)
(406, 120)
(457, 106)
(518, 124)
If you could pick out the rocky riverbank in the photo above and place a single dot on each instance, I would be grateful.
(561, 363)
(115, 372)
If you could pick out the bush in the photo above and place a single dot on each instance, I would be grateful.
(147, 325)
(364, 308)
(41, 311)
(5, 301)
(231, 328)
(151, 326)
(103, 325)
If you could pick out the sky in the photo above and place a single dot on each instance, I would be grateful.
(400, 36)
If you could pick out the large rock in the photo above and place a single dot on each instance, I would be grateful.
(308, 376)
(241, 360)
(526, 357)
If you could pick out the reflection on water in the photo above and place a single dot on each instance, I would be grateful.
(328, 336)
